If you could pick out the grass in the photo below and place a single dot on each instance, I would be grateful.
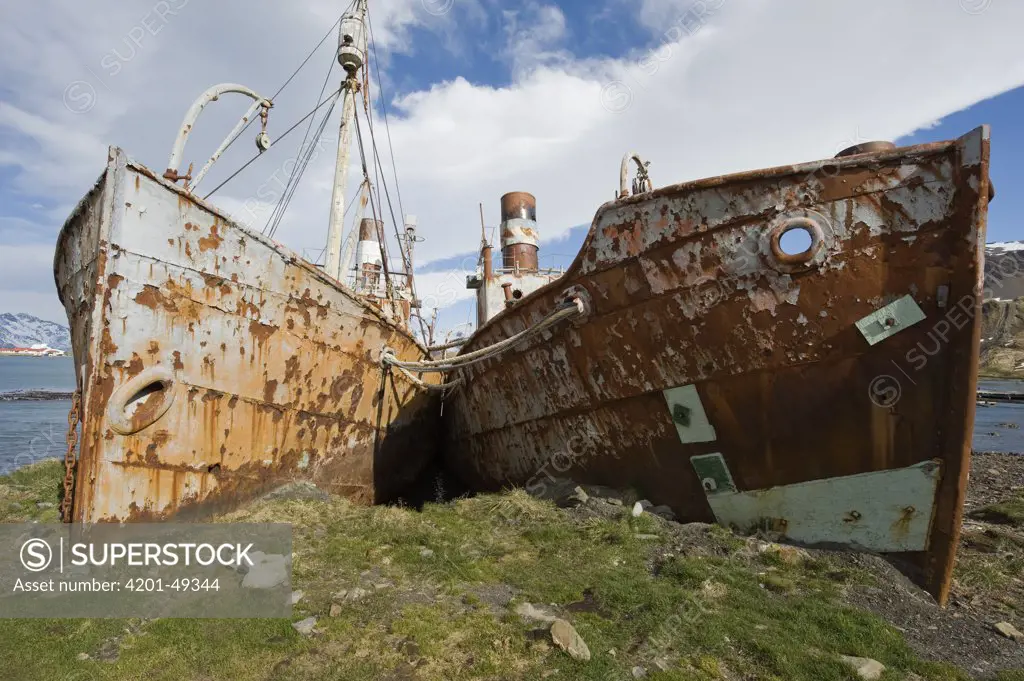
(441, 587)
(1007, 512)
(32, 493)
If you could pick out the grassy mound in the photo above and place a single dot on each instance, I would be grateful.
(434, 595)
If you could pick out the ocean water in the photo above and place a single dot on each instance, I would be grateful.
(32, 431)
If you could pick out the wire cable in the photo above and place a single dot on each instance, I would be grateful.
(293, 179)
(332, 97)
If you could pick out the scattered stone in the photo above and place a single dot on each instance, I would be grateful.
(866, 668)
(791, 555)
(82, 657)
(638, 510)
(646, 505)
(335, 610)
(298, 491)
(663, 511)
(426, 553)
(266, 571)
(647, 537)
(576, 497)
(357, 594)
(533, 613)
(297, 596)
(306, 627)
(1009, 631)
(382, 585)
(565, 637)
(713, 590)
(639, 672)
(44, 504)
(613, 501)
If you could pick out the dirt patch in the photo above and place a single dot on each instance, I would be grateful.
(987, 585)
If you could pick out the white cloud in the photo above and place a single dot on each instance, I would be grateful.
(743, 85)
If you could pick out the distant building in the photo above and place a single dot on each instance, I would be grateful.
(38, 350)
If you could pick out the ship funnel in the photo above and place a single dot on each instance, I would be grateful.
(369, 257)
(519, 234)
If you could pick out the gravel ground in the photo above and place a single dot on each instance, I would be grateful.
(963, 633)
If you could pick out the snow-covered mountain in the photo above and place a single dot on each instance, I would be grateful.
(1004, 270)
(20, 330)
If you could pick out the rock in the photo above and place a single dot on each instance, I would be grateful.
(426, 553)
(382, 585)
(335, 610)
(646, 505)
(866, 668)
(613, 501)
(565, 637)
(298, 491)
(82, 657)
(44, 504)
(533, 613)
(1009, 631)
(297, 596)
(266, 572)
(647, 537)
(638, 510)
(306, 627)
(663, 511)
(575, 497)
(639, 672)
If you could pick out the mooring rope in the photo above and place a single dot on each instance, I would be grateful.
(441, 387)
(565, 311)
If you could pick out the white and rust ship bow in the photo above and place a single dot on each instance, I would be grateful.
(825, 393)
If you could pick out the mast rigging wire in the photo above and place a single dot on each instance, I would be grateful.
(294, 73)
(332, 97)
(293, 180)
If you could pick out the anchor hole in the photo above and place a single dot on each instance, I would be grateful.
(142, 396)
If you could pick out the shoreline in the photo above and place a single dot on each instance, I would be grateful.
(35, 395)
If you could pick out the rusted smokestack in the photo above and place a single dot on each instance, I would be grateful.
(507, 288)
(488, 262)
(368, 229)
(519, 231)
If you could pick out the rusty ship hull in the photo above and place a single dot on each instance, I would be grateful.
(214, 364)
(826, 395)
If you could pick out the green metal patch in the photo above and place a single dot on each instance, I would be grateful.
(688, 415)
(890, 320)
(713, 473)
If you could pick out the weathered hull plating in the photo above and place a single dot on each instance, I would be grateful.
(719, 375)
(214, 364)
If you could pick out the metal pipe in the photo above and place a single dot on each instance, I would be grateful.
(488, 259)
(211, 95)
(239, 127)
(641, 175)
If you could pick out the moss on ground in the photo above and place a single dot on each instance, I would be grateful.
(1007, 512)
(32, 493)
(439, 591)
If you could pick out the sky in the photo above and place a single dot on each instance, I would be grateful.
(485, 97)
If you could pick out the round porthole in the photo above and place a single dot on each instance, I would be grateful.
(140, 402)
(797, 243)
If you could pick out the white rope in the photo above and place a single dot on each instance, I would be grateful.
(429, 386)
(566, 311)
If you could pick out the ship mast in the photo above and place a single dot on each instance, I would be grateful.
(351, 56)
